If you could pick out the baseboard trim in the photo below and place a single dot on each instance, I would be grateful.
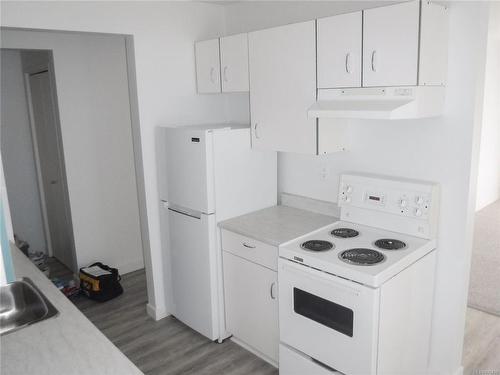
(128, 267)
(155, 313)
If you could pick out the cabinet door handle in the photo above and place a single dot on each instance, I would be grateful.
(248, 246)
(348, 63)
(255, 130)
(224, 74)
(374, 61)
(212, 71)
(271, 291)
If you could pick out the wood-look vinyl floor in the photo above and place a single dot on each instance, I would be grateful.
(167, 346)
(170, 347)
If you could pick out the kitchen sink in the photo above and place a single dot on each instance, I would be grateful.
(22, 304)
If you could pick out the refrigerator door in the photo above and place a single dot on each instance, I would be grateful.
(189, 163)
(194, 264)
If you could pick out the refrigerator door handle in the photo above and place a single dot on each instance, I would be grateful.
(190, 214)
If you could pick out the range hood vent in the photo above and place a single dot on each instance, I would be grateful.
(389, 103)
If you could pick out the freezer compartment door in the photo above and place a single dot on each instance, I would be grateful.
(194, 277)
(189, 164)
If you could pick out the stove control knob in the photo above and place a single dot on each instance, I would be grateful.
(403, 203)
(419, 200)
(418, 212)
(348, 189)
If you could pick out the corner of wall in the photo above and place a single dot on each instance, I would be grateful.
(155, 313)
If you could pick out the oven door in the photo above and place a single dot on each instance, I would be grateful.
(333, 320)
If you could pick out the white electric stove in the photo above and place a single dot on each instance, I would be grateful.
(358, 258)
(356, 296)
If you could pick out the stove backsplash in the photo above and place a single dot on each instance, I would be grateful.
(310, 204)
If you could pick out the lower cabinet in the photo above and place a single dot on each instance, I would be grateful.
(251, 299)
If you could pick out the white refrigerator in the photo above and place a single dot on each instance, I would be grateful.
(210, 174)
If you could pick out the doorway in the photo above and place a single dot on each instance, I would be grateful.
(482, 331)
(49, 160)
(32, 152)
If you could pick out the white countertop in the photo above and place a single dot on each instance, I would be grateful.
(278, 224)
(64, 345)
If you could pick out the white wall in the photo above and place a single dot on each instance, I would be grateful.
(248, 16)
(92, 89)
(163, 35)
(17, 154)
(488, 184)
(439, 149)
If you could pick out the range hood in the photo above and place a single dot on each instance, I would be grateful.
(391, 103)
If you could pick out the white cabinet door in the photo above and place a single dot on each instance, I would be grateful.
(282, 63)
(390, 45)
(234, 63)
(207, 66)
(339, 50)
(250, 293)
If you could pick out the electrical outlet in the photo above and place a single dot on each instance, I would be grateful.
(324, 173)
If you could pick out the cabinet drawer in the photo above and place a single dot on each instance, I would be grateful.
(248, 248)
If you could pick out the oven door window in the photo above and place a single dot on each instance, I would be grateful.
(325, 312)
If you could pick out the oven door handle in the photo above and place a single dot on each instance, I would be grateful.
(295, 271)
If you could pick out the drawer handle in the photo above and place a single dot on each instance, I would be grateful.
(248, 246)
(271, 291)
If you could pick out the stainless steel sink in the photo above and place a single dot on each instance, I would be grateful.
(22, 304)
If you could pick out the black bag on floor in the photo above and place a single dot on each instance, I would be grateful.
(100, 282)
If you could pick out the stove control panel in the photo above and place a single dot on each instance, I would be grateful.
(407, 206)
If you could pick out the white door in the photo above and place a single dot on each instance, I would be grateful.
(194, 271)
(207, 66)
(234, 63)
(390, 45)
(189, 162)
(250, 292)
(50, 165)
(339, 50)
(282, 63)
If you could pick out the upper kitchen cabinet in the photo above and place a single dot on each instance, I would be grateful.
(222, 64)
(234, 63)
(390, 45)
(339, 50)
(404, 64)
(208, 66)
(282, 63)
(433, 56)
